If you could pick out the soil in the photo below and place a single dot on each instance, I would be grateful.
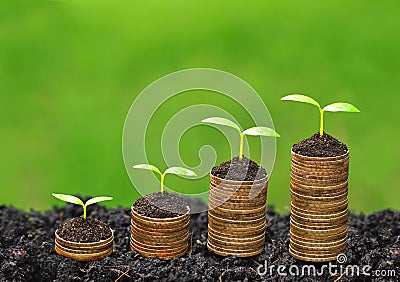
(160, 205)
(242, 169)
(27, 250)
(320, 146)
(87, 230)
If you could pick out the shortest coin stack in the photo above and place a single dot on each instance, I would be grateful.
(163, 238)
(84, 251)
(318, 220)
(236, 217)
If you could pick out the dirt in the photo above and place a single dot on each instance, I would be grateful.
(84, 230)
(320, 146)
(242, 169)
(27, 250)
(160, 205)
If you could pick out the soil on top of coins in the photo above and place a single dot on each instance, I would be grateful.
(238, 169)
(27, 250)
(87, 230)
(320, 146)
(161, 205)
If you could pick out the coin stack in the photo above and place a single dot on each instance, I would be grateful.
(236, 217)
(84, 251)
(319, 212)
(163, 238)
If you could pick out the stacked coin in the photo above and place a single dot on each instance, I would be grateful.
(84, 251)
(236, 216)
(163, 238)
(319, 212)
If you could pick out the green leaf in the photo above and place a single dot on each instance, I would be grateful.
(148, 167)
(97, 199)
(180, 171)
(261, 130)
(301, 98)
(341, 107)
(69, 199)
(222, 121)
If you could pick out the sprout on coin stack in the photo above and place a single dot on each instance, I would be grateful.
(319, 188)
(237, 200)
(160, 221)
(82, 238)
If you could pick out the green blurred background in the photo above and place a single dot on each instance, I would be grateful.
(69, 71)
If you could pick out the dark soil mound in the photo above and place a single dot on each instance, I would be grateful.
(84, 231)
(158, 205)
(320, 146)
(27, 250)
(242, 169)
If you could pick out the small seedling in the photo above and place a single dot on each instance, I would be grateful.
(77, 201)
(172, 170)
(255, 131)
(335, 107)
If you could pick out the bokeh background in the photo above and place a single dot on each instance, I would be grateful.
(70, 70)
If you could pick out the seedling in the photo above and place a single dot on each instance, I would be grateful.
(77, 201)
(172, 170)
(335, 107)
(255, 131)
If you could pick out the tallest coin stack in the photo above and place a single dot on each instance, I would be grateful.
(319, 207)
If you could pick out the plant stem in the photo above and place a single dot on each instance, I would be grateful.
(162, 183)
(241, 145)
(321, 122)
(84, 212)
